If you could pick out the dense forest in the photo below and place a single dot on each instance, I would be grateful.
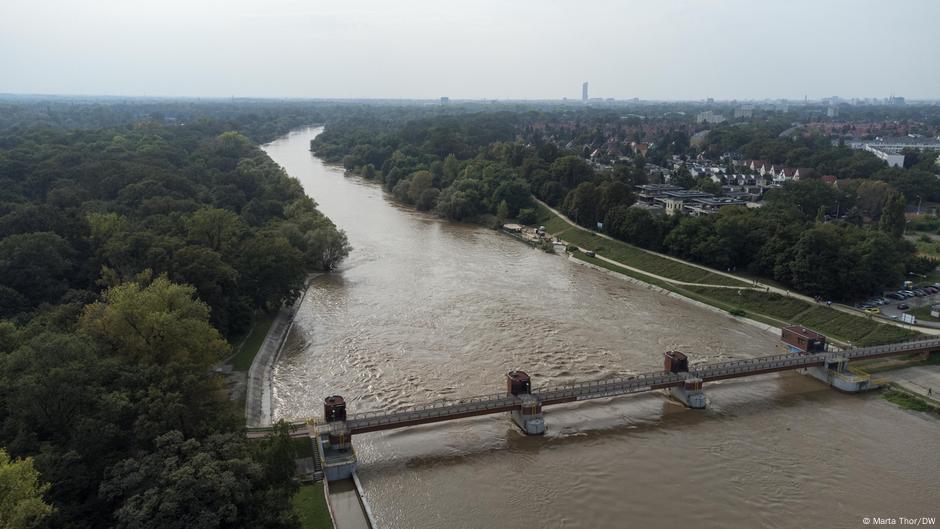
(128, 254)
(838, 243)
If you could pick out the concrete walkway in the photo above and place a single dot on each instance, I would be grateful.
(258, 409)
(755, 285)
(923, 381)
(667, 279)
(346, 506)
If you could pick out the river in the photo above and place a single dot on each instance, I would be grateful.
(424, 309)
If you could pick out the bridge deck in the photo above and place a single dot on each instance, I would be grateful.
(503, 402)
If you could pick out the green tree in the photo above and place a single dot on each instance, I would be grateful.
(193, 484)
(682, 177)
(419, 182)
(634, 225)
(581, 204)
(21, 494)
(515, 193)
(527, 216)
(428, 199)
(36, 265)
(892, 215)
(870, 198)
(502, 211)
(708, 185)
(156, 323)
(570, 171)
(325, 248)
(218, 229)
(272, 269)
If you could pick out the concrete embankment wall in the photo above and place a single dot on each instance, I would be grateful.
(259, 409)
(769, 328)
(347, 505)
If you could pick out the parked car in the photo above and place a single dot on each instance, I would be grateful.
(873, 310)
(903, 306)
(894, 295)
(932, 290)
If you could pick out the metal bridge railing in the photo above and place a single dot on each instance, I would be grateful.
(626, 385)
(913, 345)
(430, 406)
(603, 388)
(744, 367)
(428, 412)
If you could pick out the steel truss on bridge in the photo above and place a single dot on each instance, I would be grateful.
(552, 395)
(808, 351)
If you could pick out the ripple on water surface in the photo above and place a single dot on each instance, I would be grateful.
(424, 309)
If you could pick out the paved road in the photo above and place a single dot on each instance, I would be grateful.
(891, 309)
(755, 285)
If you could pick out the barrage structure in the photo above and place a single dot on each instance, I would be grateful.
(807, 351)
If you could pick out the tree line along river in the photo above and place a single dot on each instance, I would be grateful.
(425, 309)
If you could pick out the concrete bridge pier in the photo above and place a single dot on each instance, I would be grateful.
(528, 416)
(837, 373)
(690, 393)
(334, 441)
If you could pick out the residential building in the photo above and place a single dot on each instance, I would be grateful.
(709, 117)
(889, 149)
(744, 112)
(709, 205)
(648, 193)
(675, 201)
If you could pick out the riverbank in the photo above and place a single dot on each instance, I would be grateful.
(259, 408)
(754, 301)
(596, 264)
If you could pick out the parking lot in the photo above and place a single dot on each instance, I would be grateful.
(893, 304)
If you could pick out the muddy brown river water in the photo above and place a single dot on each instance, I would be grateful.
(424, 309)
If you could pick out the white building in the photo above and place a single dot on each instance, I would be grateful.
(889, 149)
(709, 117)
(893, 159)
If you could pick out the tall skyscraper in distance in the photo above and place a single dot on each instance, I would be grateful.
(584, 92)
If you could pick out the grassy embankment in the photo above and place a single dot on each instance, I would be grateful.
(246, 351)
(769, 308)
(310, 506)
(909, 402)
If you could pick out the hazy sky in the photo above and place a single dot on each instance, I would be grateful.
(652, 49)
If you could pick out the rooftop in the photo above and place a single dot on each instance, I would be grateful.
(719, 201)
(687, 193)
(804, 332)
(658, 187)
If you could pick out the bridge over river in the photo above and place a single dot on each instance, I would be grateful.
(807, 351)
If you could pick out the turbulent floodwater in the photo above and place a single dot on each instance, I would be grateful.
(425, 309)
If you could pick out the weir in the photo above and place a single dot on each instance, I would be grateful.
(808, 352)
